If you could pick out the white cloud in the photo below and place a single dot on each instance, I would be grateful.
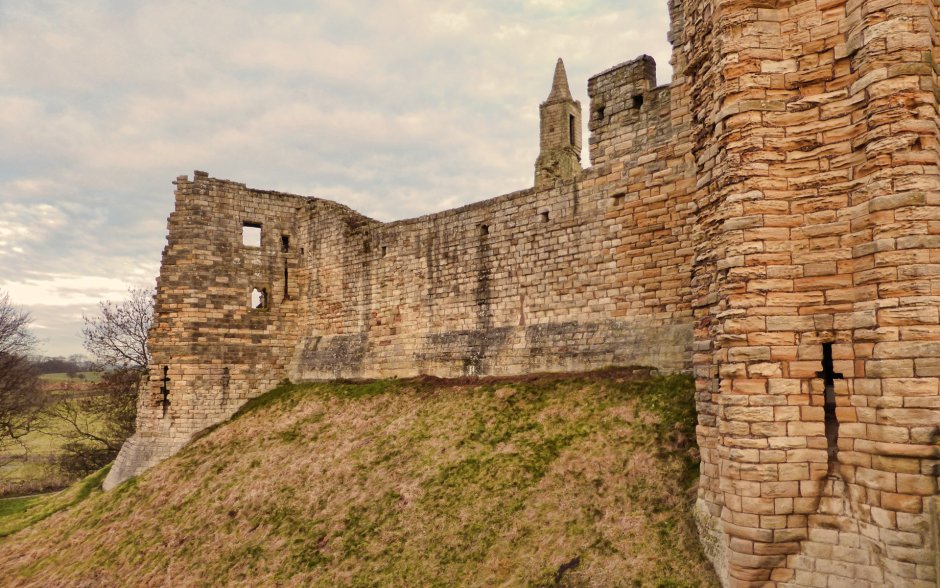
(396, 108)
(66, 290)
(449, 21)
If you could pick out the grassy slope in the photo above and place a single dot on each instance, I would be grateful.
(18, 513)
(544, 482)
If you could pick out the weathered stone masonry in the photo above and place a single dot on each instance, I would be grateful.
(769, 220)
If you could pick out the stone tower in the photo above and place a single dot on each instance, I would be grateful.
(560, 129)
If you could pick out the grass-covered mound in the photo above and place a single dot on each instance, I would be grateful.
(574, 481)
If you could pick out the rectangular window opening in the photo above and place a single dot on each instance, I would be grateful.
(544, 216)
(638, 101)
(618, 199)
(285, 243)
(571, 129)
(259, 298)
(251, 234)
(384, 250)
(599, 113)
(484, 229)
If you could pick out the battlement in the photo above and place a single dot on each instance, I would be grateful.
(628, 112)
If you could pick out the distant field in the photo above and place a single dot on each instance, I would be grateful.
(80, 376)
(32, 469)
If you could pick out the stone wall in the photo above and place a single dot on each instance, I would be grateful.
(816, 151)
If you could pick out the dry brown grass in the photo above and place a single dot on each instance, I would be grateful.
(534, 482)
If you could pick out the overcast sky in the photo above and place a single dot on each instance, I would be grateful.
(395, 108)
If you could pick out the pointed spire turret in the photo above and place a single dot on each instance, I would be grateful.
(560, 90)
(560, 130)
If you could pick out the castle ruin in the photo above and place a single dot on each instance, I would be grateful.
(769, 220)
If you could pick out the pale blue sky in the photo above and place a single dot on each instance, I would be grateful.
(396, 109)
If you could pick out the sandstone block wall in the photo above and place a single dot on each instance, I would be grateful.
(815, 128)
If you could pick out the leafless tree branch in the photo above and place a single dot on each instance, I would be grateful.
(20, 396)
(117, 336)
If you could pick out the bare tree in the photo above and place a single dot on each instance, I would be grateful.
(117, 336)
(97, 423)
(19, 389)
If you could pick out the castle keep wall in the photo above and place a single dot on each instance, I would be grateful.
(580, 276)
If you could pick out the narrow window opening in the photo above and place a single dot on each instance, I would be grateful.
(638, 101)
(384, 250)
(618, 199)
(484, 229)
(285, 243)
(571, 129)
(301, 251)
(286, 296)
(226, 378)
(829, 376)
(544, 216)
(251, 234)
(259, 298)
(599, 113)
(165, 389)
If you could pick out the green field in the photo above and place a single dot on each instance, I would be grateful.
(27, 468)
(64, 377)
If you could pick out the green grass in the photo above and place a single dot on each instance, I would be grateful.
(554, 481)
(31, 469)
(18, 513)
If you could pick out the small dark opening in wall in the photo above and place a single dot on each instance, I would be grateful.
(259, 298)
(165, 389)
(226, 377)
(384, 250)
(285, 243)
(599, 113)
(571, 129)
(829, 376)
(638, 101)
(484, 229)
(301, 250)
(544, 216)
(618, 199)
(251, 234)
(286, 296)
